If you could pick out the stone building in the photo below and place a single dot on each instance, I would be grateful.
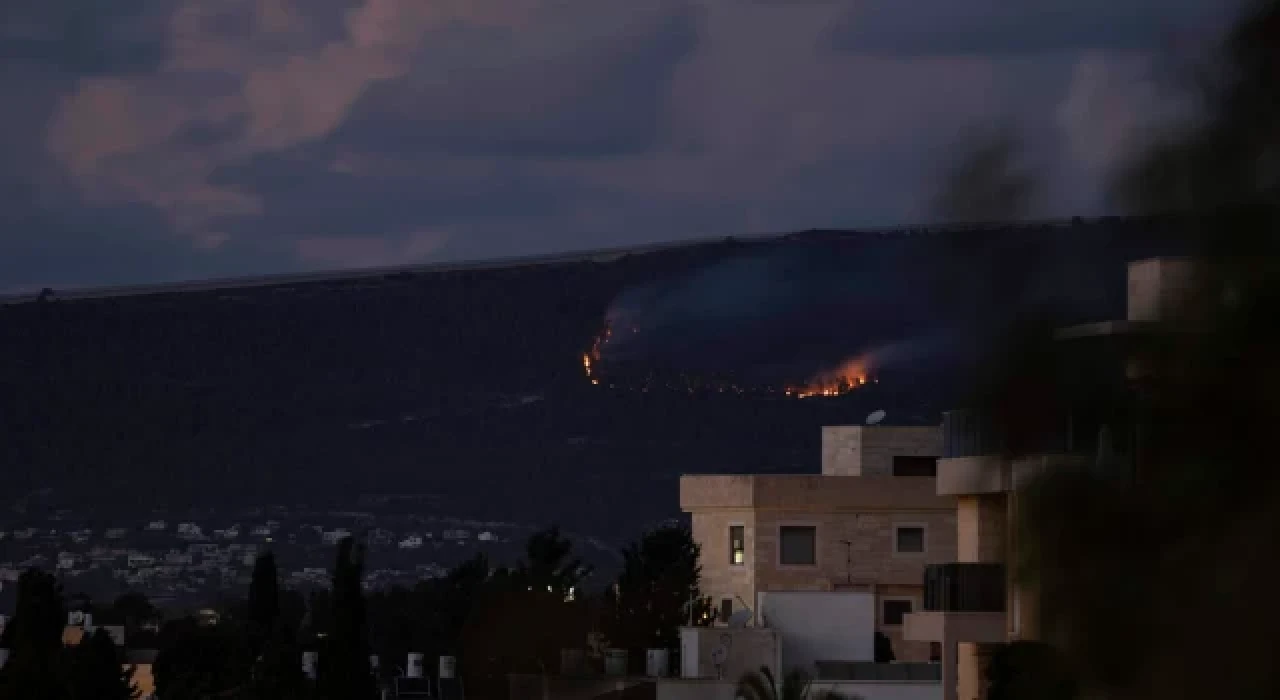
(870, 522)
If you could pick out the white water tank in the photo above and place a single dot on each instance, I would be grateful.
(615, 662)
(448, 667)
(657, 663)
(414, 667)
(88, 622)
(309, 661)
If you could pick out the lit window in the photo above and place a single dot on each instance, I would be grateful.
(737, 545)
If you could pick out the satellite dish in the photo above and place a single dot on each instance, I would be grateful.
(740, 618)
(875, 417)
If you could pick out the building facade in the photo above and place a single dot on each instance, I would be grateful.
(870, 522)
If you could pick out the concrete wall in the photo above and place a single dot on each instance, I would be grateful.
(862, 510)
(867, 450)
(818, 626)
(1155, 285)
(746, 651)
(981, 528)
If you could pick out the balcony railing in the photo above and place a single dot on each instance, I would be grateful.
(974, 434)
(969, 434)
(964, 587)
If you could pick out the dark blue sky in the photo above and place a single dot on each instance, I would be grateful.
(158, 140)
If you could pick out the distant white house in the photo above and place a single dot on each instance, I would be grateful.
(137, 559)
(156, 525)
(116, 533)
(411, 542)
(189, 530)
(336, 535)
(487, 536)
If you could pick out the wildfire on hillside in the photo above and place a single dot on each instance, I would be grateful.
(847, 377)
(591, 358)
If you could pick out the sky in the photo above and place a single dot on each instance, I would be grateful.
(162, 140)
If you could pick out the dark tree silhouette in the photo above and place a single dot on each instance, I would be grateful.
(197, 662)
(264, 600)
(658, 583)
(549, 563)
(34, 638)
(530, 604)
(1029, 671)
(344, 672)
(97, 670)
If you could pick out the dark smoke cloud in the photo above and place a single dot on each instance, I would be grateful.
(799, 308)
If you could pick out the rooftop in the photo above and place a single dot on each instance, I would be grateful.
(812, 492)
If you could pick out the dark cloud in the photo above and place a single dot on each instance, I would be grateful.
(309, 191)
(71, 243)
(586, 102)
(168, 139)
(85, 38)
(1001, 28)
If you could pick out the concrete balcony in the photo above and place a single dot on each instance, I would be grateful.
(963, 602)
(937, 626)
(971, 476)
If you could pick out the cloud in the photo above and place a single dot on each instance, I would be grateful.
(239, 84)
(369, 251)
(245, 135)
(84, 38)
(599, 94)
(1001, 28)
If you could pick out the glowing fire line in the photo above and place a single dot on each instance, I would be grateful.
(849, 376)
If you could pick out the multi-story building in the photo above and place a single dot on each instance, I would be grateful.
(870, 522)
(973, 605)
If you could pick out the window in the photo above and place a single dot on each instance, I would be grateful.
(737, 545)
(797, 545)
(935, 652)
(892, 611)
(908, 539)
(915, 466)
(726, 609)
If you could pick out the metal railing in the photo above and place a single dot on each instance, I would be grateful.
(964, 587)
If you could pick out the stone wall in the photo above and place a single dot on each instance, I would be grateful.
(865, 450)
(875, 564)
(982, 528)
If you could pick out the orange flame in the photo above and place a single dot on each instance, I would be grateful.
(591, 358)
(848, 376)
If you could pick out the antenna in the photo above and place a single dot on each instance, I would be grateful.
(875, 417)
(848, 560)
